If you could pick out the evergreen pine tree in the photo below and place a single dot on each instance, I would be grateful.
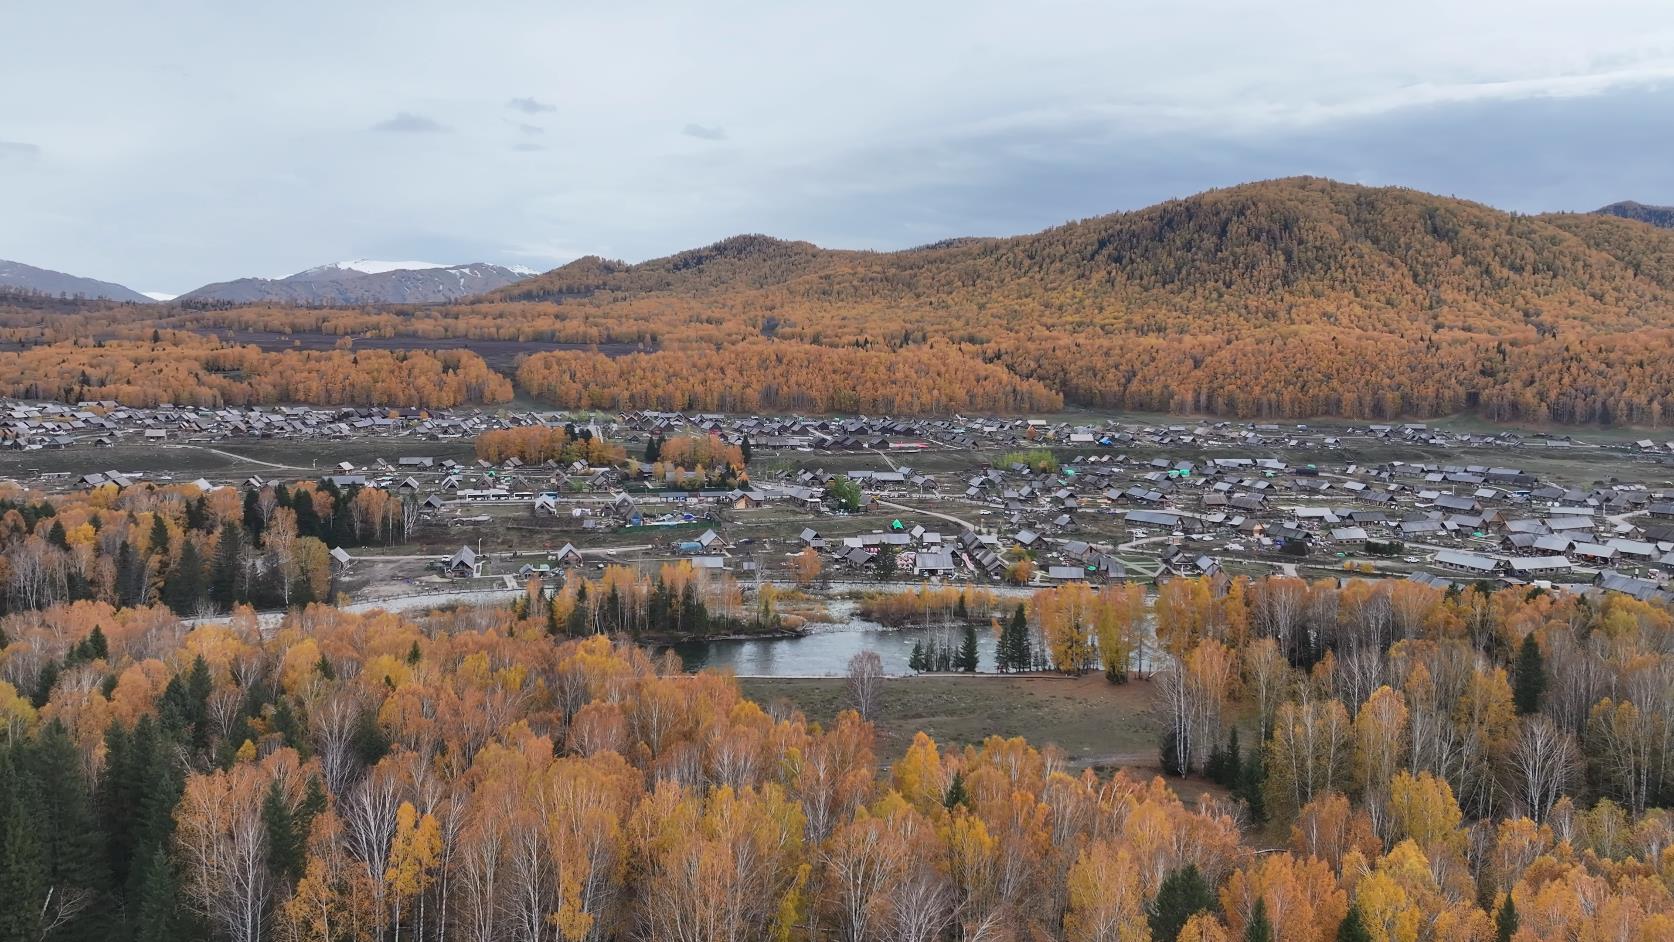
(155, 908)
(56, 535)
(1353, 927)
(155, 785)
(253, 513)
(370, 743)
(199, 685)
(286, 725)
(956, 794)
(1505, 925)
(1183, 894)
(23, 878)
(197, 514)
(1021, 655)
(1531, 676)
(98, 649)
(183, 592)
(287, 838)
(916, 661)
(576, 625)
(968, 650)
(342, 524)
(653, 449)
(1260, 927)
(307, 521)
(184, 708)
(69, 839)
(159, 541)
(1252, 781)
(1233, 770)
(44, 685)
(130, 576)
(228, 566)
(1214, 768)
(885, 561)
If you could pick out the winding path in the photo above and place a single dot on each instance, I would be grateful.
(228, 454)
(928, 513)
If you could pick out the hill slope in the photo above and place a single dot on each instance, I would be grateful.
(1287, 297)
(1299, 250)
(1660, 216)
(363, 282)
(55, 283)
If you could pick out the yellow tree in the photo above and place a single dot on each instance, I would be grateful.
(1380, 750)
(413, 854)
(1203, 927)
(1301, 895)
(1185, 610)
(806, 567)
(1119, 625)
(1308, 753)
(919, 776)
(1422, 809)
(1106, 902)
(1067, 616)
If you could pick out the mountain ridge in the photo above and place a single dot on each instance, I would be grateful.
(1660, 216)
(1292, 297)
(1257, 240)
(371, 283)
(46, 281)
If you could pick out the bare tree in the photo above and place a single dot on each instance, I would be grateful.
(223, 842)
(1543, 764)
(865, 682)
(336, 719)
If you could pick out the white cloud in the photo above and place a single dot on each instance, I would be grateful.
(705, 132)
(406, 122)
(530, 106)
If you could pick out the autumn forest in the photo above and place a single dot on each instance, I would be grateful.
(1376, 761)
(1289, 298)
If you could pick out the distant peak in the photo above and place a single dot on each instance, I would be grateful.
(371, 266)
(1660, 216)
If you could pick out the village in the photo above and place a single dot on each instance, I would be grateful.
(902, 502)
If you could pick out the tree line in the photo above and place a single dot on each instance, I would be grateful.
(192, 550)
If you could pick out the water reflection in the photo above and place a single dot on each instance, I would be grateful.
(825, 651)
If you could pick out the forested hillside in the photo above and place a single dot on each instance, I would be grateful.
(1661, 216)
(1298, 297)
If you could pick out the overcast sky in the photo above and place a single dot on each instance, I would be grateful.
(167, 144)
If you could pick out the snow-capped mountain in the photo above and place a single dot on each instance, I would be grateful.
(367, 266)
(55, 283)
(366, 281)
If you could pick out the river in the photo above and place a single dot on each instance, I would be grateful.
(825, 649)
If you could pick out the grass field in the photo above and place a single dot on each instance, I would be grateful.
(188, 460)
(1097, 723)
